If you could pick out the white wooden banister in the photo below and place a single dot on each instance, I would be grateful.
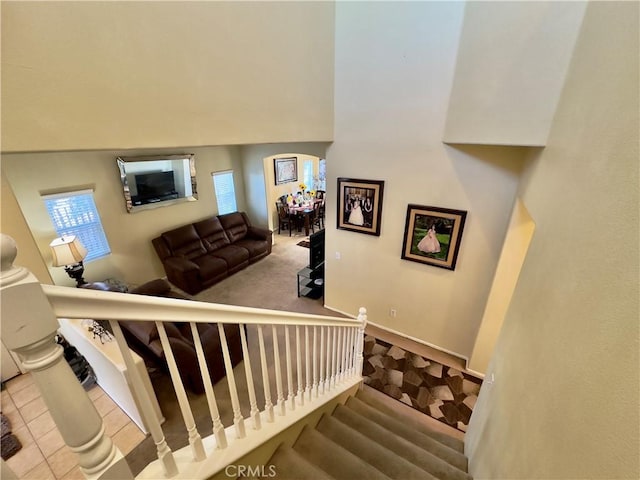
(165, 455)
(194, 437)
(255, 413)
(218, 428)
(291, 399)
(328, 362)
(29, 327)
(300, 393)
(74, 303)
(307, 390)
(315, 361)
(278, 369)
(238, 419)
(268, 405)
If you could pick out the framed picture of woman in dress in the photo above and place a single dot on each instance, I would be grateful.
(360, 205)
(432, 235)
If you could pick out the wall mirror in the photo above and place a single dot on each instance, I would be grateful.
(157, 180)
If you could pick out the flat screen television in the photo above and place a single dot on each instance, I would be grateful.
(155, 184)
(316, 249)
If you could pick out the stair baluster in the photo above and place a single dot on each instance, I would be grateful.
(323, 379)
(253, 405)
(307, 362)
(342, 350)
(315, 361)
(276, 359)
(165, 455)
(352, 350)
(300, 393)
(268, 406)
(218, 427)
(334, 358)
(291, 399)
(238, 419)
(197, 448)
(362, 317)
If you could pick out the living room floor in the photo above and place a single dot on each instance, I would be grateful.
(43, 454)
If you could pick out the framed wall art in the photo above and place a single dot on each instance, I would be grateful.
(286, 170)
(432, 235)
(360, 205)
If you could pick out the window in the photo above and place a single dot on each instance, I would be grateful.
(225, 191)
(75, 213)
(307, 174)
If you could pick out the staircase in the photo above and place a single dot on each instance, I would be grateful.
(368, 439)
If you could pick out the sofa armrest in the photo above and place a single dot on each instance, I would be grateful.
(158, 288)
(259, 233)
(180, 264)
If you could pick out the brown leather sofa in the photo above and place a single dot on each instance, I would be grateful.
(144, 339)
(198, 255)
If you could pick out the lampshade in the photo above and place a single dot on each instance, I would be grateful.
(67, 250)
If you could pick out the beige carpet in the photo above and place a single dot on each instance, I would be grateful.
(270, 282)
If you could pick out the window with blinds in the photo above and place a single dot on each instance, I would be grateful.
(75, 213)
(225, 191)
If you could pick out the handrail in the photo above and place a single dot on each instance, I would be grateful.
(33, 310)
(100, 305)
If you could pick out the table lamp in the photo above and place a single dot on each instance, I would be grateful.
(68, 252)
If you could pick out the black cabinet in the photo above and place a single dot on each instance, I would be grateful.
(311, 282)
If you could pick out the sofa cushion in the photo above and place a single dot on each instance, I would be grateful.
(234, 255)
(210, 266)
(235, 225)
(212, 234)
(256, 248)
(184, 242)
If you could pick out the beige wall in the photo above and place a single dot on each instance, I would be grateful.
(514, 251)
(390, 118)
(510, 70)
(129, 234)
(12, 223)
(113, 75)
(565, 399)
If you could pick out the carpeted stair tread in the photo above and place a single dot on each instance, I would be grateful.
(388, 462)
(426, 442)
(289, 464)
(333, 458)
(401, 446)
(372, 400)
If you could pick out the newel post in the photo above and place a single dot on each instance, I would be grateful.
(362, 318)
(29, 327)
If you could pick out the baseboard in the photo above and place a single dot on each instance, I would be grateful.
(422, 342)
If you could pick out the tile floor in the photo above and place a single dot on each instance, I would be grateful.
(44, 454)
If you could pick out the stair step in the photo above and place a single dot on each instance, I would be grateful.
(333, 458)
(401, 446)
(388, 462)
(289, 464)
(426, 442)
(372, 399)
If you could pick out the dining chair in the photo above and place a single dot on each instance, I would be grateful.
(321, 212)
(284, 219)
(316, 218)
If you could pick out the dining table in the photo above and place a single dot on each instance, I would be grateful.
(305, 212)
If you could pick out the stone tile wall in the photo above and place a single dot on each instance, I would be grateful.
(442, 392)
